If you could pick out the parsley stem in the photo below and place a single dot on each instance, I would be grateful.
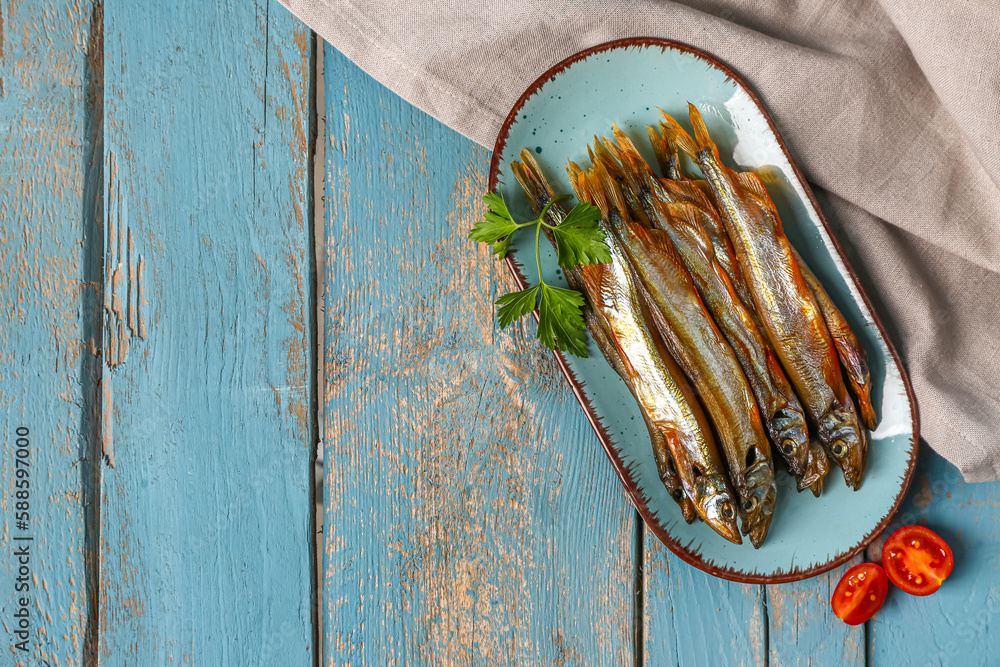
(538, 228)
(538, 253)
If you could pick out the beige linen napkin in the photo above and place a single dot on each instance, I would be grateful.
(891, 107)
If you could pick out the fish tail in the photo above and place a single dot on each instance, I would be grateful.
(610, 160)
(535, 172)
(659, 146)
(627, 147)
(676, 135)
(610, 187)
(593, 193)
(666, 153)
(628, 171)
(574, 172)
(701, 130)
(529, 175)
(638, 175)
(631, 155)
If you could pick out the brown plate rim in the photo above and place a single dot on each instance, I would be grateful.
(624, 475)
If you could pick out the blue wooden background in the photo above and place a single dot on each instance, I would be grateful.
(177, 333)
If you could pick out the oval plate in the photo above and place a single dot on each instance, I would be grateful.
(625, 81)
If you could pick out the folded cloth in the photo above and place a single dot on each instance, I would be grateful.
(890, 107)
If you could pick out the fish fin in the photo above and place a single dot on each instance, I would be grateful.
(659, 147)
(668, 120)
(627, 147)
(868, 416)
(574, 172)
(629, 172)
(613, 149)
(701, 130)
(673, 169)
(702, 185)
(594, 277)
(675, 134)
(593, 193)
(531, 164)
(751, 185)
(657, 241)
(602, 154)
(666, 153)
(691, 217)
(611, 190)
(687, 510)
(630, 155)
(689, 192)
(535, 186)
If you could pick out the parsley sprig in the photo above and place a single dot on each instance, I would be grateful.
(578, 240)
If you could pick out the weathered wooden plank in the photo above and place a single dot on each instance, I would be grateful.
(692, 618)
(956, 625)
(471, 516)
(803, 630)
(47, 139)
(207, 396)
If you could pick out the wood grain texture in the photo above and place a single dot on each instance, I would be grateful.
(692, 618)
(46, 368)
(957, 625)
(802, 628)
(471, 516)
(207, 397)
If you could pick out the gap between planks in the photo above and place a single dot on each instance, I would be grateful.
(317, 116)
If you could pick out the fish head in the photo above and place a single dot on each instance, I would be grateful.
(758, 493)
(714, 503)
(846, 443)
(789, 431)
(816, 469)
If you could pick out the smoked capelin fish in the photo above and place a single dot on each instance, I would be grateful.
(702, 352)
(704, 289)
(660, 387)
(685, 224)
(783, 303)
(852, 355)
(540, 194)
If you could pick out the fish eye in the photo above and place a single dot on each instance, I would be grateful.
(838, 449)
(788, 447)
(749, 504)
(727, 511)
(676, 494)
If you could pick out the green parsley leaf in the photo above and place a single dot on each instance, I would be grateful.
(579, 239)
(516, 305)
(560, 322)
(497, 222)
(501, 247)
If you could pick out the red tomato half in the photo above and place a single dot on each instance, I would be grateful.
(917, 560)
(859, 593)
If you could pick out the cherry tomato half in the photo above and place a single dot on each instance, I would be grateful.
(917, 559)
(859, 593)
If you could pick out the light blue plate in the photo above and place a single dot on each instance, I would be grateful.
(625, 82)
